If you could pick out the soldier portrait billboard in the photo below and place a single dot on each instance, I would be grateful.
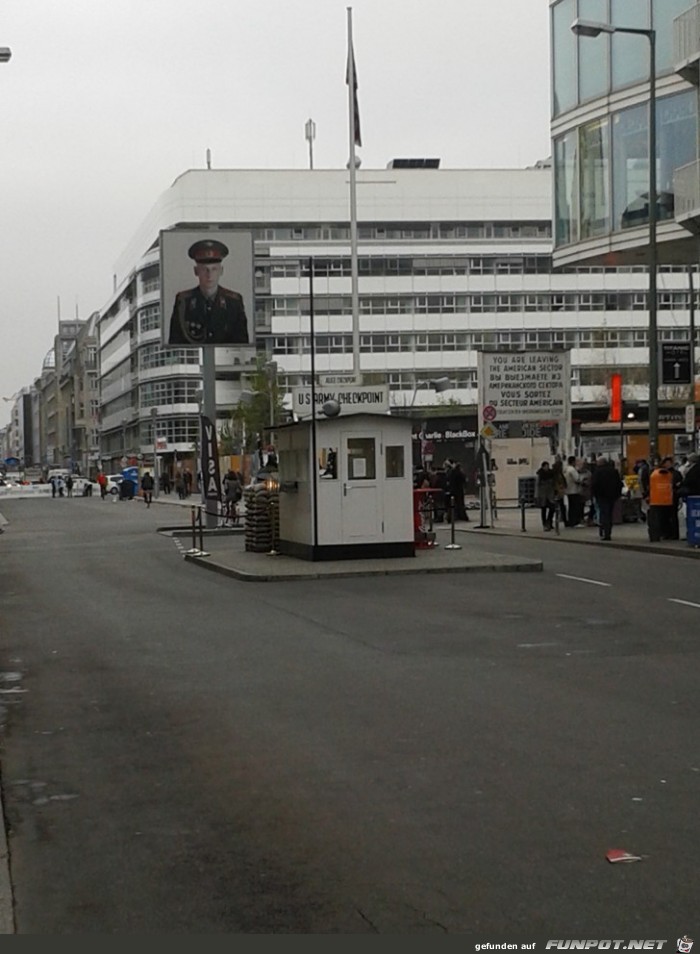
(206, 282)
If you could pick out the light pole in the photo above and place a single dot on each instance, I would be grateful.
(591, 28)
(271, 373)
(124, 458)
(436, 384)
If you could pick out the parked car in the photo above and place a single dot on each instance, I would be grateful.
(83, 487)
(113, 481)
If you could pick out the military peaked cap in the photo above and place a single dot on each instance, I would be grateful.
(207, 251)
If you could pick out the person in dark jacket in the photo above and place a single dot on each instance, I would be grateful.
(147, 486)
(456, 482)
(690, 486)
(545, 495)
(606, 487)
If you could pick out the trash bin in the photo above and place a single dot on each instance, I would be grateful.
(692, 521)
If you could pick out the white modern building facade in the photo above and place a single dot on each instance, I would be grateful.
(451, 262)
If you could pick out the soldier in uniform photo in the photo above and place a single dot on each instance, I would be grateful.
(209, 313)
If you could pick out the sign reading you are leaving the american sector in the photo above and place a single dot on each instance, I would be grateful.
(525, 385)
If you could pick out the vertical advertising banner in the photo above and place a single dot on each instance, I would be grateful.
(211, 477)
(206, 288)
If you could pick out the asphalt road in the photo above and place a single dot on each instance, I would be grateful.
(186, 753)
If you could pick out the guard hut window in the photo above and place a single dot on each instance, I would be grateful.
(394, 461)
(361, 462)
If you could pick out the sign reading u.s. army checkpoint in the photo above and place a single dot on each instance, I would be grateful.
(371, 399)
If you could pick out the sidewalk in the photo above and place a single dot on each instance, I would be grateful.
(626, 536)
(225, 553)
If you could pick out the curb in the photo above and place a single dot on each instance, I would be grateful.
(534, 566)
(692, 553)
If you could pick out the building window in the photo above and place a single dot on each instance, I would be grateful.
(566, 189)
(594, 152)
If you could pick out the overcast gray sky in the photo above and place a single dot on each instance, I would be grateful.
(105, 102)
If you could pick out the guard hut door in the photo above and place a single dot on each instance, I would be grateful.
(361, 512)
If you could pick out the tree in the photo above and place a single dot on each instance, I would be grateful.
(259, 407)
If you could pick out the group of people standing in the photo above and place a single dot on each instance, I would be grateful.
(61, 486)
(449, 485)
(585, 492)
(580, 492)
(664, 485)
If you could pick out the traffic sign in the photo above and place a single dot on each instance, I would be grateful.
(488, 431)
(676, 362)
(489, 413)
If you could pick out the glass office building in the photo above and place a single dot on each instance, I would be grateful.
(600, 131)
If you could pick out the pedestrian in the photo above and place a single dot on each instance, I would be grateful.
(574, 500)
(662, 502)
(587, 505)
(690, 486)
(438, 483)
(166, 482)
(606, 487)
(180, 485)
(69, 485)
(52, 481)
(545, 496)
(456, 483)
(187, 478)
(102, 483)
(559, 481)
(642, 470)
(147, 485)
(60, 485)
(233, 491)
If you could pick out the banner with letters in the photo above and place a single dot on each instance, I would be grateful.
(209, 456)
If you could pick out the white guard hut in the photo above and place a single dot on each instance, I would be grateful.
(361, 501)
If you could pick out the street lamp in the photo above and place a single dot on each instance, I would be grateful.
(271, 374)
(436, 384)
(593, 29)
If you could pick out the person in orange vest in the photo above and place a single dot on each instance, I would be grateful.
(662, 519)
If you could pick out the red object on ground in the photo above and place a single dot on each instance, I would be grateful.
(619, 854)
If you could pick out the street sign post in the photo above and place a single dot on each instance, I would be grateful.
(676, 362)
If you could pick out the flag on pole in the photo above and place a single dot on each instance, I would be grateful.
(351, 80)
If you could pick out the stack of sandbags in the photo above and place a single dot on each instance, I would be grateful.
(261, 518)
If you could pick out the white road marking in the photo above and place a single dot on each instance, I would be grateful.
(684, 603)
(582, 579)
(534, 645)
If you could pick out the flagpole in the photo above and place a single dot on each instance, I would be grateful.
(354, 272)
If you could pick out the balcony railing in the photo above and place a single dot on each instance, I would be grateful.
(686, 187)
(686, 43)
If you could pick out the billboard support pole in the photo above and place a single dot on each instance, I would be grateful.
(209, 406)
(314, 448)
